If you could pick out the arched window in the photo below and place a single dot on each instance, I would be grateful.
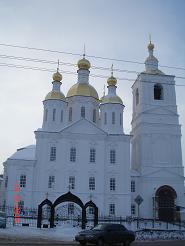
(158, 92)
(92, 155)
(53, 154)
(61, 116)
(70, 114)
(113, 118)
(73, 154)
(94, 115)
(105, 119)
(120, 119)
(137, 96)
(82, 112)
(54, 114)
(112, 156)
(46, 114)
(23, 180)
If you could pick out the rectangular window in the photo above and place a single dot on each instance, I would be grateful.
(54, 114)
(133, 209)
(61, 117)
(51, 182)
(73, 154)
(23, 180)
(46, 114)
(72, 182)
(94, 115)
(112, 209)
(53, 154)
(6, 182)
(70, 114)
(91, 183)
(112, 184)
(112, 156)
(133, 186)
(70, 208)
(92, 155)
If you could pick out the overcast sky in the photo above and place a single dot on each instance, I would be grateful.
(114, 29)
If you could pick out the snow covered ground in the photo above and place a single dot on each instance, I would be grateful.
(66, 233)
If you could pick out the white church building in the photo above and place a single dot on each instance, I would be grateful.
(82, 145)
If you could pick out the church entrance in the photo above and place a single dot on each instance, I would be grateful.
(165, 204)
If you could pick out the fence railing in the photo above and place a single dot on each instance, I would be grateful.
(28, 217)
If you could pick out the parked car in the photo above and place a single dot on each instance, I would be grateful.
(106, 234)
(2, 219)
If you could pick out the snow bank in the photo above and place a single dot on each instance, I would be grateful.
(66, 233)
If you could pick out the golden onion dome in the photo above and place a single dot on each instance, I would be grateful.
(112, 98)
(112, 81)
(150, 46)
(83, 63)
(55, 95)
(57, 76)
(82, 89)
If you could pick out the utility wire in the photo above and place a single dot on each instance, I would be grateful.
(69, 72)
(62, 63)
(69, 53)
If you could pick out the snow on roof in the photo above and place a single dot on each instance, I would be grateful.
(134, 173)
(26, 153)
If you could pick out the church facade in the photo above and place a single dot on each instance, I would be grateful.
(82, 146)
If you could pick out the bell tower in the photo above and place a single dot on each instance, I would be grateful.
(156, 142)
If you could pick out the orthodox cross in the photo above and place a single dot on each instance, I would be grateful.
(58, 66)
(84, 52)
(150, 38)
(47, 194)
(69, 187)
(90, 196)
(112, 70)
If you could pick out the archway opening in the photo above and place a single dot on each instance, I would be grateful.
(166, 204)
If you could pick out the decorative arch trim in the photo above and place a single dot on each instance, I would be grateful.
(68, 197)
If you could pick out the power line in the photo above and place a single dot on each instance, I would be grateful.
(70, 53)
(69, 72)
(65, 64)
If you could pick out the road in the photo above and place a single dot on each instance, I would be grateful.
(164, 243)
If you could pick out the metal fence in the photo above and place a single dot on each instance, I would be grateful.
(28, 217)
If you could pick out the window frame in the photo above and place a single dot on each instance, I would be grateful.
(53, 153)
(113, 118)
(133, 186)
(72, 182)
(94, 115)
(92, 183)
(70, 114)
(54, 114)
(51, 182)
(6, 181)
(112, 209)
(23, 180)
(105, 118)
(112, 156)
(112, 184)
(73, 154)
(82, 112)
(92, 155)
